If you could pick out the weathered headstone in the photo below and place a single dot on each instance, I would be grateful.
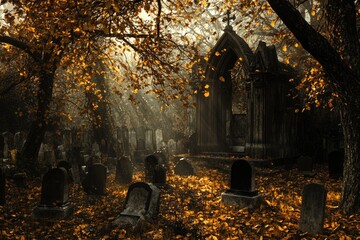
(149, 139)
(54, 196)
(180, 147)
(75, 160)
(67, 166)
(171, 147)
(305, 165)
(159, 176)
(19, 139)
(184, 167)
(150, 162)
(336, 164)
(158, 139)
(162, 156)
(242, 190)
(20, 179)
(124, 170)
(95, 180)
(2, 186)
(142, 203)
(2, 145)
(313, 208)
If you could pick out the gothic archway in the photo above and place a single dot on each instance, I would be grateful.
(214, 112)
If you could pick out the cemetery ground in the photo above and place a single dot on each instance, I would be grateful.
(190, 208)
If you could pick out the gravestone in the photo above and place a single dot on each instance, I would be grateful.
(95, 180)
(158, 139)
(124, 170)
(305, 165)
(149, 139)
(2, 145)
(75, 159)
(20, 179)
(336, 164)
(54, 196)
(142, 203)
(184, 167)
(180, 147)
(171, 147)
(19, 139)
(163, 159)
(150, 162)
(67, 166)
(49, 157)
(313, 208)
(242, 190)
(2, 186)
(159, 176)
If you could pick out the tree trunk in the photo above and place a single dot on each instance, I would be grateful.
(344, 79)
(29, 154)
(350, 119)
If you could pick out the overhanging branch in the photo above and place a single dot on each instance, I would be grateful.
(18, 44)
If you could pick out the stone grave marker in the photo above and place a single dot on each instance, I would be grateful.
(305, 165)
(142, 203)
(20, 179)
(163, 159)
(95, 180)
(171, 147)
(150, 162)
(158, 138)
(313, 208)
(67, 166)
(54, 196)
(184, 167)
(2, 145)
(2, 186)
(49, 157)
(336, 164)
(18, 140)
(124, 170)
(242, 190)
(75, 160)
(159, 176)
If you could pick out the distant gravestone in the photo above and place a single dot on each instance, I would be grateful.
(2, 145)
(162, 156)
(305, 165)
(54, 196)
(150, 162)
(95, 180)
(20, 179)
(159, 176)
(184, 167)
(124, 170)
(75, 159)
(171, 147)
(67, 166)
(313, 208)
(142, 203)
(2, 186)
(18, 140)
(336, 164)
(242, 190)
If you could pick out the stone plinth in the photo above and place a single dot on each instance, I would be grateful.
(241, 200)
(53, 212)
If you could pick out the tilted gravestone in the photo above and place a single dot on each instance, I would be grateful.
(142, 203)
(2, 186)
(124, 170)
(95, 180)
(336, 164)
(184, 167)
(54, 196)
(150, 162)
(242, 190)
(305, 165)
(313, 208)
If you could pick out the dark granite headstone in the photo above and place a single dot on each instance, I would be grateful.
(313, 208)
(95, 180)
(20, 179)
(159, 176)
(124, 170)
(54, 195)
(336, 164)
(150, 162)
(242, 190)
(184, 167)
(142, 203)
(2, 186)
(242, 178)
(67, 166)
(305, 165)
(2, 145)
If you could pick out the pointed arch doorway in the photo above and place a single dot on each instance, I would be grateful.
(218, 115)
